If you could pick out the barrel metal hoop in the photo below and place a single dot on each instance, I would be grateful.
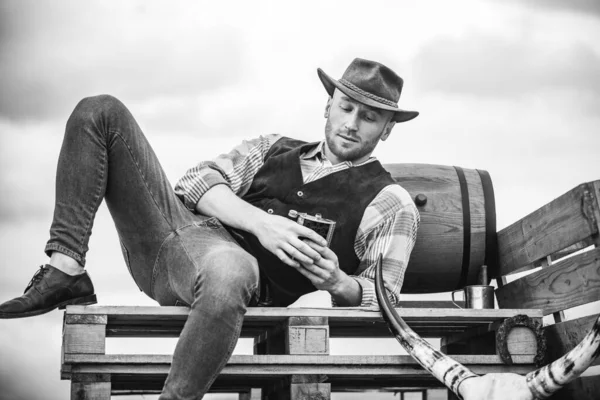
(466, 211)
(491, 238)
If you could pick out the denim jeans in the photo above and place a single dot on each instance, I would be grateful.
(174, 255)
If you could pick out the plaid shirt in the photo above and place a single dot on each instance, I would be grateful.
(388, 226)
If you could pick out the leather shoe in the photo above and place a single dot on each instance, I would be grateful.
(48, 289)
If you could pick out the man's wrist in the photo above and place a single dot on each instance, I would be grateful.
(347, 292)
(255, 220)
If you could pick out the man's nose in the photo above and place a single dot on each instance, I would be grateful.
(351, 123)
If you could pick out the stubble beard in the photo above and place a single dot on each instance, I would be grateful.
(342, 153)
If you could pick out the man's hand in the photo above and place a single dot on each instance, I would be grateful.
(282, 237)
(325, 274)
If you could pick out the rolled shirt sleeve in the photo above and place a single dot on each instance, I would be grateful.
(388, 227)
(235, 169)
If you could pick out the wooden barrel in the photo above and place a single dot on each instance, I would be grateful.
(458, 226)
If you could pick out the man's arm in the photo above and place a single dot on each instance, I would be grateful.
(389, 227)
(214, 188)
(394, 237)
(280, 235)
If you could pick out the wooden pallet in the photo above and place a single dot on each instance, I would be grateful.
(291, 348)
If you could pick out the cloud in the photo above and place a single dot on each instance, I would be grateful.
(481, 64)
(49, 61)
(587, 7)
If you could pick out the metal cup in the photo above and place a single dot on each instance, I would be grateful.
(477, 296)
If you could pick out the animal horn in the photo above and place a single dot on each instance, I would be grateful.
(548, 379)
(444, 368)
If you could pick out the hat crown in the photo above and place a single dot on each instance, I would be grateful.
(373, 78)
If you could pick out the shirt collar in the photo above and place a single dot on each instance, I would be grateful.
(314, 152)
(318, 154)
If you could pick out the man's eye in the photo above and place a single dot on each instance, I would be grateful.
(370, 118)
(345, 107)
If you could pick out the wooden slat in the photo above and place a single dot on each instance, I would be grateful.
(90, 391)
(84, 338)
(557, 225)
(563, 337)
(288, 365)
(86, 319)
(275, 314)
(572, 249)
(565, 284)
(343, 322)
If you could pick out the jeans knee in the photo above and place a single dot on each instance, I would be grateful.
(228, 274)
(96, 114)
(99, 104)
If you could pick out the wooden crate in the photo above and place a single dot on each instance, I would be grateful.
(562, 240)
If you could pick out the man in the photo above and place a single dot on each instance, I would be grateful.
(226, 237)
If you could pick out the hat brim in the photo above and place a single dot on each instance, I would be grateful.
(331, 84)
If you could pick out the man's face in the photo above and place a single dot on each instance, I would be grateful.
(353, 129)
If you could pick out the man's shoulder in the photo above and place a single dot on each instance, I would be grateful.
(395, 196)
(283, 144)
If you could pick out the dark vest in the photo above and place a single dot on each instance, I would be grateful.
(342, 196)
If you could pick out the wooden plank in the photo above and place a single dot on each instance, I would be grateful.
(253, 394)
(282, 361)
(343, 322)
(306, 391)
(565, 284)
(358, 369)
(566, 220)
(596, 210)
(307, 339)
(521, 340)
(587, 242)
(90, 390)
(84, 339)
(563, 337)
(307, 335)
(277, 314)
(86, 319)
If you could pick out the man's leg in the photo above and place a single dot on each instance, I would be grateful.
(104, 155)
(204, 267)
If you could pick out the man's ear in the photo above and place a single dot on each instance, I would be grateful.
(387, 130)
(328, 107)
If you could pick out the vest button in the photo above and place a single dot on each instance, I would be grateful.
(270, 211)
(300, 193)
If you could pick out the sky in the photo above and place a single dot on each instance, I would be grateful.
(510, 87)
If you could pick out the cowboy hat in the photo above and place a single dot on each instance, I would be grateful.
(370, 83)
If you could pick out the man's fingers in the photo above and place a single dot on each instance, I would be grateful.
(296, 254)
(307, 273)
(286, 259)
(312, 235)
(315, 270)
(324, 251)
(306, 250)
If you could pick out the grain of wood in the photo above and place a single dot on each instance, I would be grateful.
(521, 340)
(84, 339)
(308, 339)
(86, 319)
(553, 227)
(563, 337)
(90, 391)
(439, 247)
(567, 283)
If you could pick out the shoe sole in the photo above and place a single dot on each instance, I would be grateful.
(80, 301)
